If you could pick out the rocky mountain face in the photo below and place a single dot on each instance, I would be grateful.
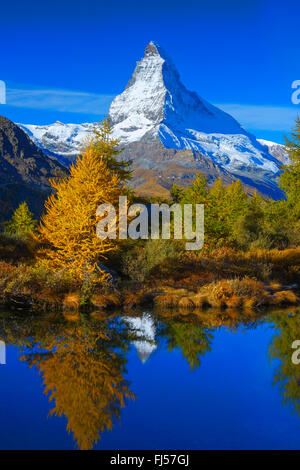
(24, 170)
(171, 133)
(276, 150)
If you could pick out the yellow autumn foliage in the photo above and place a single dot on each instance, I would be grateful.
(68, 227)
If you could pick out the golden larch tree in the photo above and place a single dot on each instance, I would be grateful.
(69, 225)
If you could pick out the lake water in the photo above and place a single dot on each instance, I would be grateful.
(149, 380)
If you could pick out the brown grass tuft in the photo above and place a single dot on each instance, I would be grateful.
(186, 302)
(234, 302)
(235, 292)
(74, 317)
(284, 297)
(200, 300)
(105, 300)
(71, 301)
(166, 301)
(275, 285)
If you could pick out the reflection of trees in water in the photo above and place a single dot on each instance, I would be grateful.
(82, 363)
(82, 366)
(193, 340)
(287, 374)
(193, 334)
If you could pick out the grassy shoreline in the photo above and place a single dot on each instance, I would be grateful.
(224, 279)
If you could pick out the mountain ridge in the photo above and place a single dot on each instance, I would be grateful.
(154, 109)
(24, 170)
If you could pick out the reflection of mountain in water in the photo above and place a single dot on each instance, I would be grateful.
(144, 331)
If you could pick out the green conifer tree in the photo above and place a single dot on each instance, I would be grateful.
(22, 222)
(290, 178)
(109, 149)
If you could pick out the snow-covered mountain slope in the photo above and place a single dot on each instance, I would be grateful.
(58, 138)
(156, 111)
(156, 105)
(276, 150)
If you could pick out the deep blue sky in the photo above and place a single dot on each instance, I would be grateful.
(242, 55)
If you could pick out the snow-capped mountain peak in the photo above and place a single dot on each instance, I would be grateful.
(155, 99)
(156, 107)
(172, 133)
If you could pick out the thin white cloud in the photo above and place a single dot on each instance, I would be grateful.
(271, 118)
(262, 117)
(60, 100)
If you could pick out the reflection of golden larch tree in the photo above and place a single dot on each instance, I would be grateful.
(84, 377)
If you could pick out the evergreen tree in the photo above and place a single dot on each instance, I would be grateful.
(226, 204)
(277, 226)
(197, 192)
(177, 193)
(237, 201)
(216, 213)
(290, 178)
(108, 148)
(248, 226)
(22, 222)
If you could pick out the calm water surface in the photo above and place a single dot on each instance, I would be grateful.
(150, 380)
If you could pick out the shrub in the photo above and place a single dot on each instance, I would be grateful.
(17, 247)
(7, 273)
(234, 292)
(37, 278)
(6, 270)
(140, 261)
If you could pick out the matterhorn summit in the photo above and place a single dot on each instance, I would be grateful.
(156, 102)
(155, 105)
